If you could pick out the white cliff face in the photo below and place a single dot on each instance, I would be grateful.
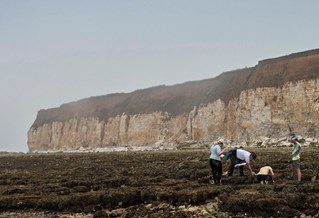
(209, 119)
(268, 111)
(276, 111)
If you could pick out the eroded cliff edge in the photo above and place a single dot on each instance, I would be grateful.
(271, 99)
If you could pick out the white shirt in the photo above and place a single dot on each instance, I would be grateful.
(243, 155)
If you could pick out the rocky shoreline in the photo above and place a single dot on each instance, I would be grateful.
(261, 142)
(152, 184)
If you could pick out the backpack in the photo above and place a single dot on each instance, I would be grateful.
(229, 153)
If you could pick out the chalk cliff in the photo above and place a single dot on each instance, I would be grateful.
(271, 99)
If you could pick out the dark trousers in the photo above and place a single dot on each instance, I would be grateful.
(233, 161)
(217, 170)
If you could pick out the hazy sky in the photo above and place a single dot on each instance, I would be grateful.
(58, 51)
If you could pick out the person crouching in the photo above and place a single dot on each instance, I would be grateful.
(265, 174)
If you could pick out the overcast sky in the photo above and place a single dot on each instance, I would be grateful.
(58, 51)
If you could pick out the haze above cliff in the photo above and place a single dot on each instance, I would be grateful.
(181, 98)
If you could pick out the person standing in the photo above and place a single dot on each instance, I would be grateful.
(241, 158)
(295, 156)
(215, 161)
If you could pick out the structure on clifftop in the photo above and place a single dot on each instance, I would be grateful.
(271, 99)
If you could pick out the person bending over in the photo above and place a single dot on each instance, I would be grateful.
(240, 157)
(265, 174)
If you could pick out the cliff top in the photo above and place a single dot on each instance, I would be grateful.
(180, 98)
